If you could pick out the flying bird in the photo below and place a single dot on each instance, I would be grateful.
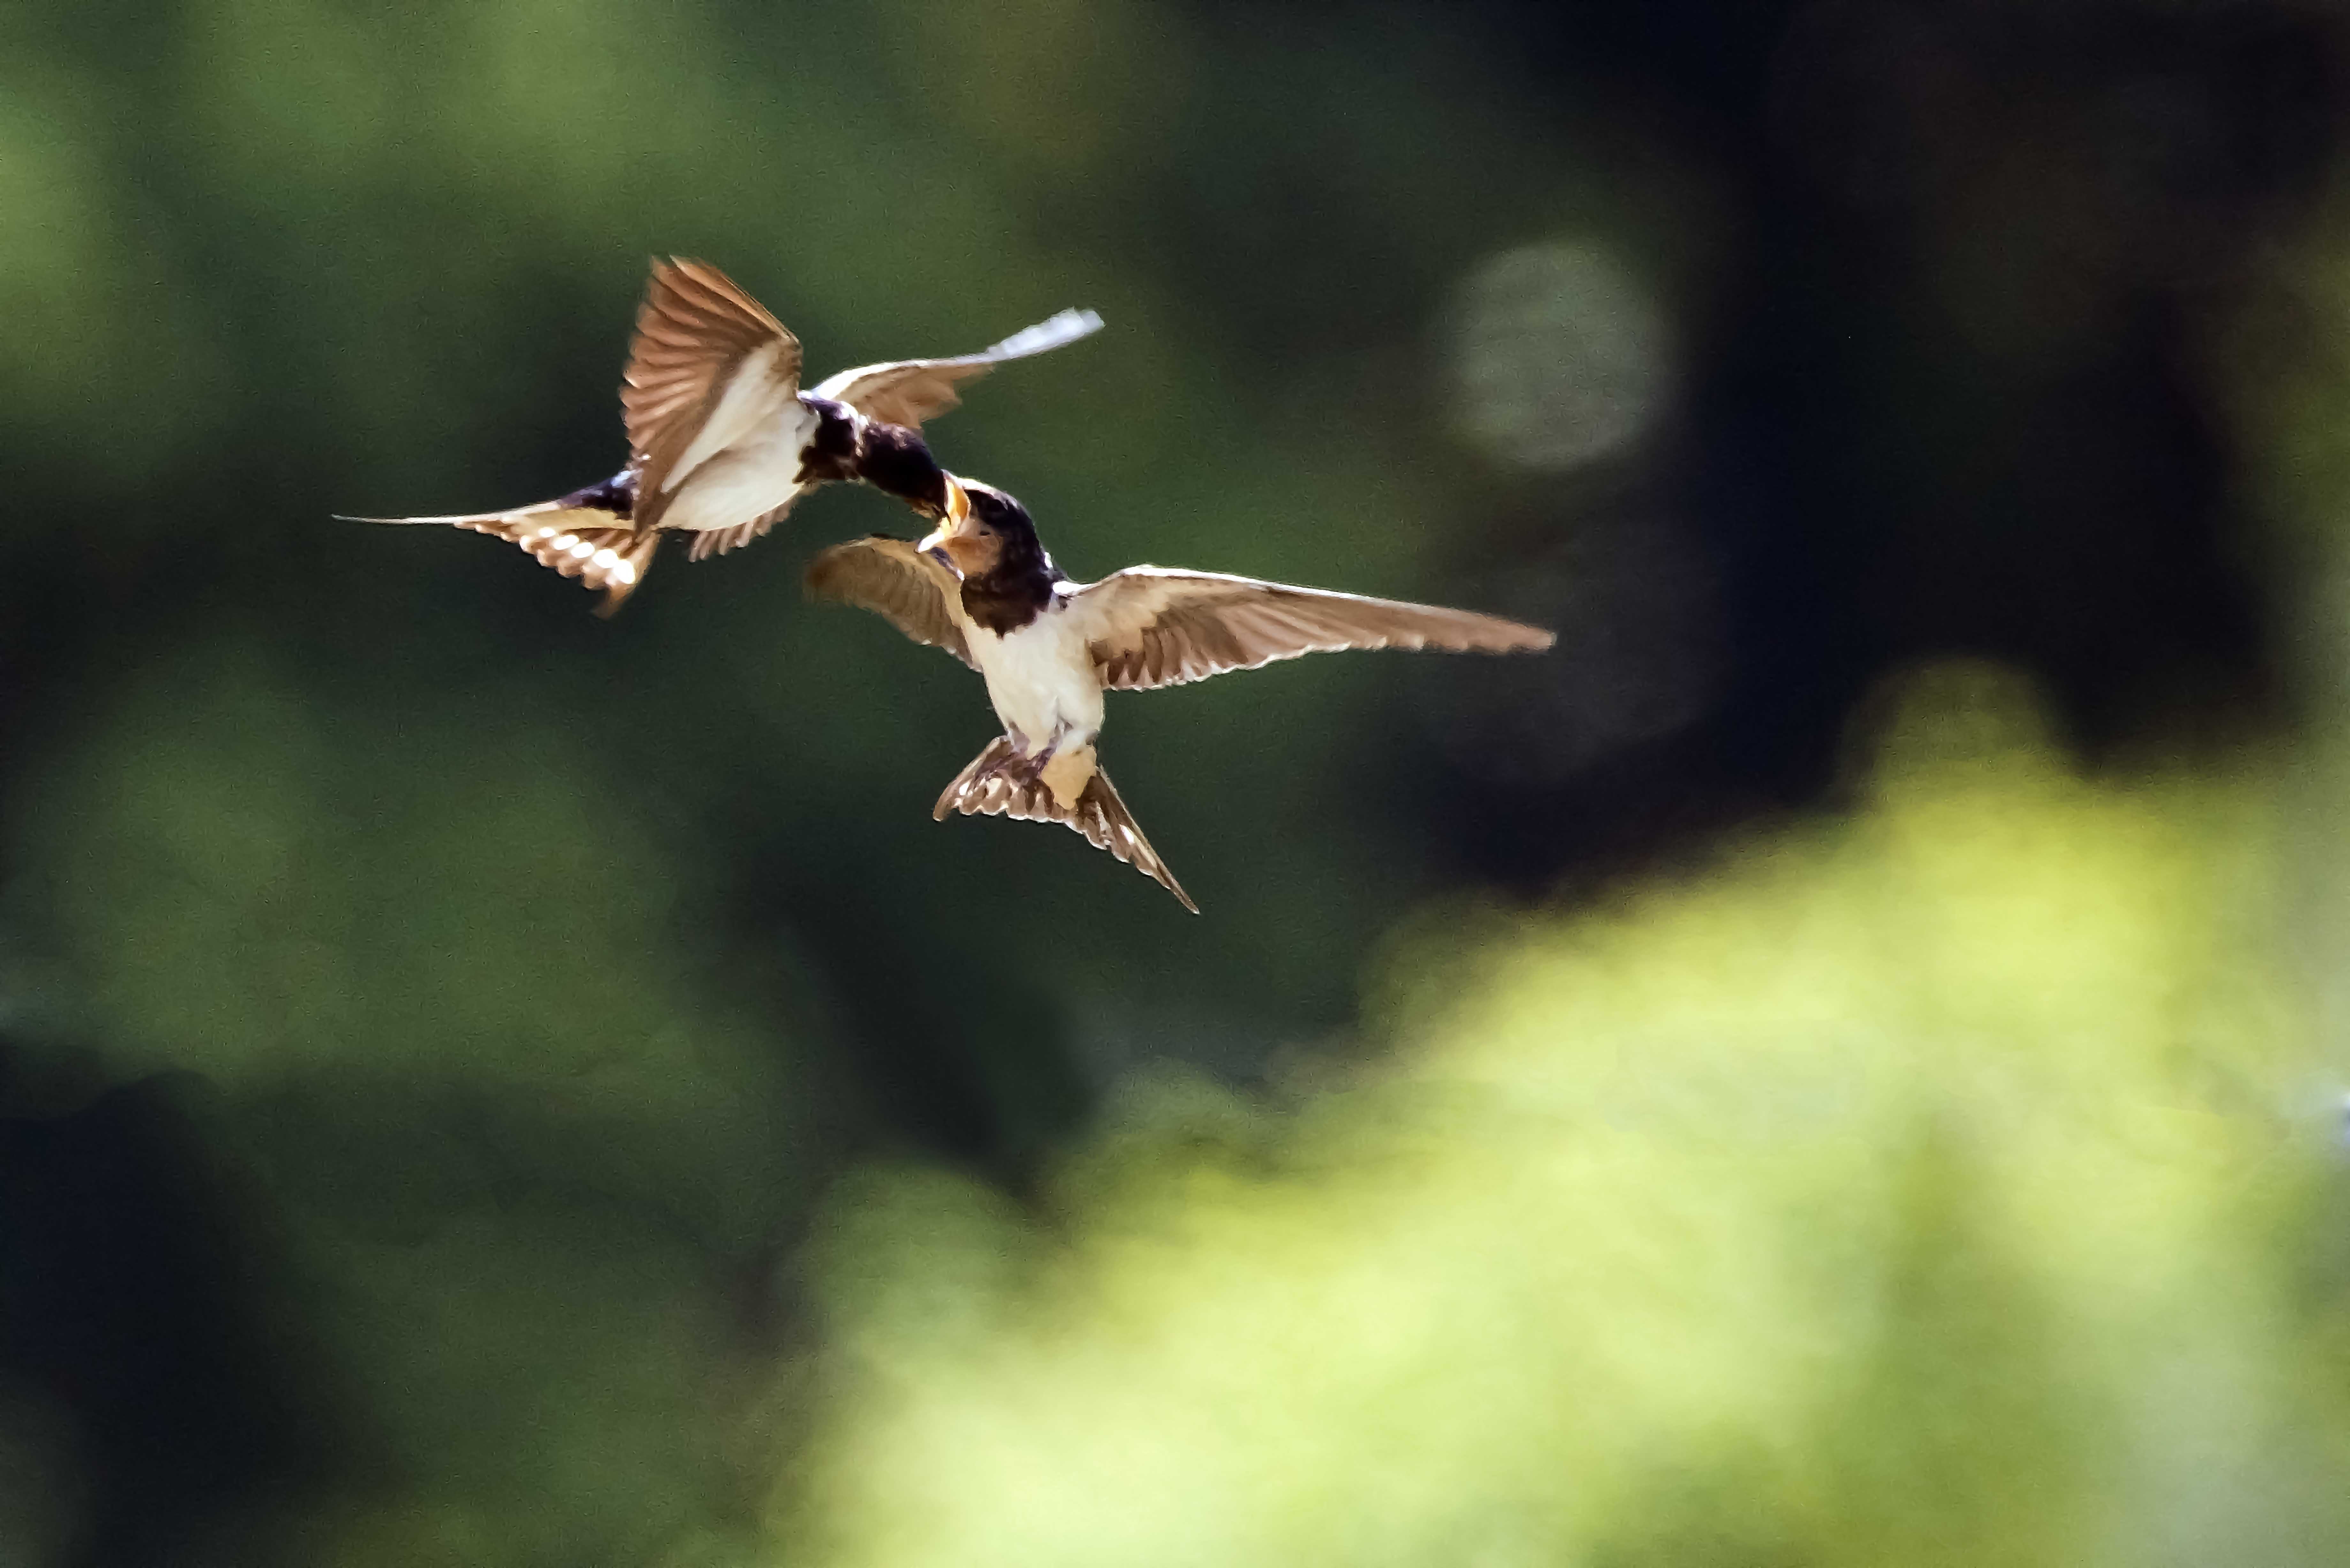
(722, 440)
(982, 587)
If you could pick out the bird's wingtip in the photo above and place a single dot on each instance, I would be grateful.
(1057, 330)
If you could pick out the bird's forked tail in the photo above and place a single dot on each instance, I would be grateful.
(586, 534)
(1072, 789)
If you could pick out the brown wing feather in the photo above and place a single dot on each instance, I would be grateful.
(1150, 626)
(697, 333)
(896, 582)
(709, 542)
(908, 391)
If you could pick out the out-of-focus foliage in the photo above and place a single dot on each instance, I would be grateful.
(269, 263)
(456, 1034)
(483, 1085)
(515, 981)
(1923, 1186)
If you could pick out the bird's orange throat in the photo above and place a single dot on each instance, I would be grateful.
(973, 557)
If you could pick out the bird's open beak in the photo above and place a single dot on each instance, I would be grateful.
(958, 513)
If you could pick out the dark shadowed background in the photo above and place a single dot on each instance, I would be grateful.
(1832, 1064)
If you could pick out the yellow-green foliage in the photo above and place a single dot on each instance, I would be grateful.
(1929, 1186)
(1947, 1181)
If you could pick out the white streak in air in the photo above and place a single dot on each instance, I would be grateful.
(1065, 327)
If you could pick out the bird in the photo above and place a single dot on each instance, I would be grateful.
(982, 587)
(722, 441)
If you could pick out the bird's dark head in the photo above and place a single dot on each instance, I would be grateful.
(892, 458)
(986, 534)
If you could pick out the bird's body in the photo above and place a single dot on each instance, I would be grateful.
(722, 442)
(760, 472)
(1040, 677)
(982, 587)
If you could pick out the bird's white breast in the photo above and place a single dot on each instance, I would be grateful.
(1040, 679)
(751, 401)
(749, 478)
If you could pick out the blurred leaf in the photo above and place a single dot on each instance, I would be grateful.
(1844, 1205)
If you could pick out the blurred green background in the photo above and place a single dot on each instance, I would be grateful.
(1841, 1063)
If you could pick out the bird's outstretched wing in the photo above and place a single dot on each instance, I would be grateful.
(896, 582)
(908, 392)
(590, 542)
(1154, 625)
(708, 366)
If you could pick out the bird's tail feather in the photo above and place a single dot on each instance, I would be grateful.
(590, 542)
(1000, 782)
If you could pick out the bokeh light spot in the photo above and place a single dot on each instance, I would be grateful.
(1562, 356)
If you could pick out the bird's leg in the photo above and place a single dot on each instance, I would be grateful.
(1017, 762)
(1034, 766)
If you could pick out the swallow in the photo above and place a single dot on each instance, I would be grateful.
(982, 587)
(722, 442)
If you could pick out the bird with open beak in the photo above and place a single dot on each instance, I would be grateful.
(722, 442)
(982, 587)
